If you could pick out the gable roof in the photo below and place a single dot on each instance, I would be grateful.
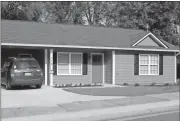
(154, 38)
(33, 33)
(148, 41)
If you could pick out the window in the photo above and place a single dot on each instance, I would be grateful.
(23, 64)
(149, 65)
(69, 63)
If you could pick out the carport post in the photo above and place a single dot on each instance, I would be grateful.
(113, 67)
(51, 67)
(46, 66)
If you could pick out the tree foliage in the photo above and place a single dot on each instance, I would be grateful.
(161, 18)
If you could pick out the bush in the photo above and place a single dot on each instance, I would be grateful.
(153, 84)
(178, 82)
(166, 84)
(88, 84)
(125, 84)
(136, 84)
(67, 85)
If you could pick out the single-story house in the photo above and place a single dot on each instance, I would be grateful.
(85, 54)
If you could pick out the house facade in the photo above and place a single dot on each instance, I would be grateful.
(73, 54)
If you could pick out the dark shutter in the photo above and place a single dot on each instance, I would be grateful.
(161, 64)
(85, 63)
(136, 64)
(55, 63)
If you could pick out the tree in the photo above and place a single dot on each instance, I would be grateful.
(163, 18)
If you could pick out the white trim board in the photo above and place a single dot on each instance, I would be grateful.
(150, 34)
(103, 81)
(113, 67)
(85, 47)
(175, 67)
(51, 67)
(46, 66)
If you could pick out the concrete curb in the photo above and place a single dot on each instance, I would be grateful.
(107, 113)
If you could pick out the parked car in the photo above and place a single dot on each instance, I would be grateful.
(23, 71)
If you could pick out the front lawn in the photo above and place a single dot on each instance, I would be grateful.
(124, 91)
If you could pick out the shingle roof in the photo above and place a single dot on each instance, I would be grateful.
(58, 34)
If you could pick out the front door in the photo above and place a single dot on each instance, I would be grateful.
(97, 68)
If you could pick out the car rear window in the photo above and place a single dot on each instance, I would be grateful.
(23, 64)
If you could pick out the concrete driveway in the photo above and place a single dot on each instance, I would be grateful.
(46, 96)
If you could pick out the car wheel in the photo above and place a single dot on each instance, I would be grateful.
(8, 85)
(38, 86)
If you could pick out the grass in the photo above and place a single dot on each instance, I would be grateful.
(125, 91)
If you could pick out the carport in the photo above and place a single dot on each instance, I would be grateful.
(13, 51)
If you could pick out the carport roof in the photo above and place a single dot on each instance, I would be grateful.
(23, 32)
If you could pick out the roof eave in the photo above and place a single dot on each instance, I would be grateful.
(86, 47)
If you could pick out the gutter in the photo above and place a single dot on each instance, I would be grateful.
(89, 47)
(178, 54)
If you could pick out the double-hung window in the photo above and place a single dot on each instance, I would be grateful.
(148, 64)
(69, 63)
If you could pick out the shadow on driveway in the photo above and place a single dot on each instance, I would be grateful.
(19, 87)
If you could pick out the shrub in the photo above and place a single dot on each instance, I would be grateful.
(178, 82)
(88, 84)
(125, 84)
(153, 84)
(67, 85)
(136, 84)
(166, 84)
(80, 84)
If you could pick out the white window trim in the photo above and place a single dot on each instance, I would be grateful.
(149, 64)
(69, 54)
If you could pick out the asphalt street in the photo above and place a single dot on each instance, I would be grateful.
(165, 116)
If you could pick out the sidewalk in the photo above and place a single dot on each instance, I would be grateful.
(13, 114)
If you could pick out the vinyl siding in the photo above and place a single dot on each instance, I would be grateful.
(108, 67)
(124, 69)
(148, 41)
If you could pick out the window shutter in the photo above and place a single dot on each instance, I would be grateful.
(55, 63)
(85, 63)
(161, 64)
(136, 64)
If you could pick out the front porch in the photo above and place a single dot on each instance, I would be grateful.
(78, 66)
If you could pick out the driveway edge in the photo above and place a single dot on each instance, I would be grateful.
(107, 113)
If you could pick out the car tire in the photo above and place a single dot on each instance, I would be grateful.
(38, 86)
(8, 85)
